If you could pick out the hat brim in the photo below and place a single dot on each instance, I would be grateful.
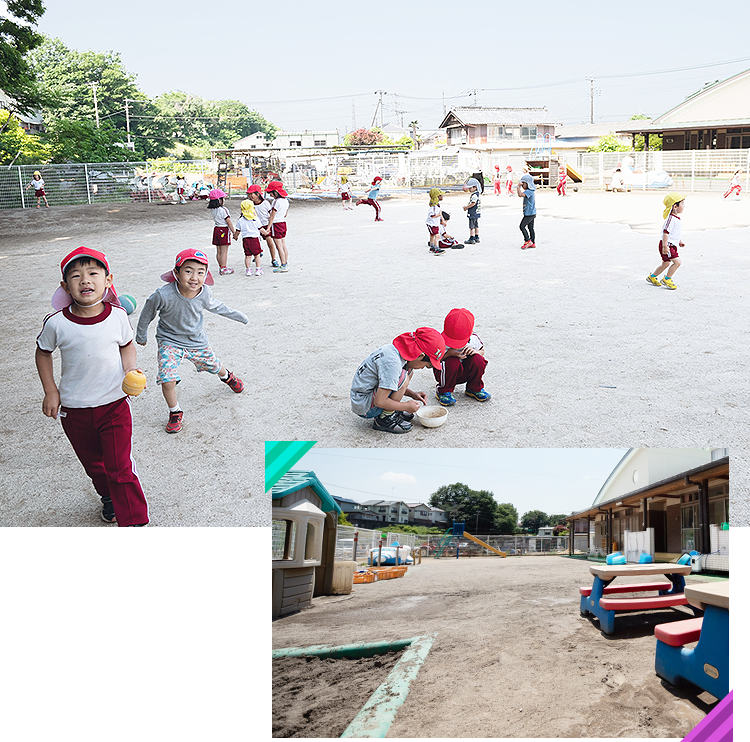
(455, 343)
(61, 298)
(170, 277)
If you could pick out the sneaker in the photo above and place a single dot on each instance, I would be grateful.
(175, 422)
(446, 398)
(274, 264)
(108, 511)
(476, 240)
(225, 271)
(380, 219)
(470, 241)
(248, 271)
(283, 268)
(392, 423)
(259, 271)
(481, 396)
(437, 250)
(457, 246)
(653, 280)
(668, 283)
(525, 244)
(234, 383)
(408, 416)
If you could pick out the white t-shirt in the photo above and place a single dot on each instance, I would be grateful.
(282, 207)
(92, 370)
(38, 184)
(673, 228)
(249, 227)
(220, 215)
(262, 211)
(433, 216)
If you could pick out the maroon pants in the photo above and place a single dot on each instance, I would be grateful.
(102, 439)
(455, 371)
(372, 203)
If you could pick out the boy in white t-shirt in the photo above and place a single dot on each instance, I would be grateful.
(674, 204)
(95, 339)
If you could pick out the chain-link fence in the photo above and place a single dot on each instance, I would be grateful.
(366, 540)
(692, 170)
(515, 545)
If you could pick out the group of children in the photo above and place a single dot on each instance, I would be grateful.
(95, 339)
(382, 381)
(259, 217)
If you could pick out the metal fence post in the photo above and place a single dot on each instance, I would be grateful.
(20, 185)
(88, 186)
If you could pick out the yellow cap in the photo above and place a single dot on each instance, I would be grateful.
(343, 178)
(435, 194)
(670, 200)
(248, 209)
(36, 172)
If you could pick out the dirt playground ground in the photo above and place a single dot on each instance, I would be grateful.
(513, 656)
(582, 352)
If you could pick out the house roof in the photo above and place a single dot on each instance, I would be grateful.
(297, 480)
(653, 127)
(346, 500)
(474, 116)
(579, 131)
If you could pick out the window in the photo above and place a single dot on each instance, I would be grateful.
(528, 132)
(689, 518)
(284, 533)
(295, 142)
(381, 510)
(320, 143)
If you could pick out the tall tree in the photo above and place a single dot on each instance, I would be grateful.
(506, 518)
(476, 508)
(534, 520)
(17, 38)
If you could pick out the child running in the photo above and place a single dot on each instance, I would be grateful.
(562, 179)
(181, 186)
(473, 210)
(95, 339)
(734, 184)
(345, 191)
(382, 381)
(372, 197)
(179, 334)
(463, 362)
(38, 184)
(527, 190)
(276, 226)
(671, 233)
(248, 225)
(433, 220)
(223, 229)
(498, 183)
(509, 180)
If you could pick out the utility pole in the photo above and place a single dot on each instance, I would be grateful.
(127, 120)
(96, 105)
(591, 79)
(381, 93)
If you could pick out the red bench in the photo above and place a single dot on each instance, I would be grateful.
(679, 633)
(642, 604)
(641, 588)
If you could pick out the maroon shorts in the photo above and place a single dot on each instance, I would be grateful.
(40, 193)
(345, 197)
(221, 236)
(180, 191)
(433, 230)
(278, 230)
(251, 245)
(672, 253)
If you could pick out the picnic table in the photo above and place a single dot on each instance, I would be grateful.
(707, 664)
(597, 601)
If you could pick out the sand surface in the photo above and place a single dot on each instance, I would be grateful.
(513, 656)
(582, 351)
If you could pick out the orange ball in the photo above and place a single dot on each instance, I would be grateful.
(134, 382)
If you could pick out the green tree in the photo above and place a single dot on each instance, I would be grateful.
(81, 141)
(609, 143)
(343, 520)
(476, 508)
(555, 520)
(17, 38)
(655, 141)
(534, 520)
(506, 518)
(18, 147)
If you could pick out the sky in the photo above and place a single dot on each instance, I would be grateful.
(317, 65)
(555, 480)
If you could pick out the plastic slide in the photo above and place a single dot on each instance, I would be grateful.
(486, 546)
(574, 175)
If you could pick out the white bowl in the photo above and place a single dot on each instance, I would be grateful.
(432, 417)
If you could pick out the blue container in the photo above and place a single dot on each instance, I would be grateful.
(645, 558)
(616, 558)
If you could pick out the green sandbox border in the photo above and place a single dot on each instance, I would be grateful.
(376, 716)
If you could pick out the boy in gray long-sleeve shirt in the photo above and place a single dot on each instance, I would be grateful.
(179, 332)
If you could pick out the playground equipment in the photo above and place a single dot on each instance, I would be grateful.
(457, 531)
(390, 555)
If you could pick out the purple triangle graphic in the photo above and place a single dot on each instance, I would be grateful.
(717, 726)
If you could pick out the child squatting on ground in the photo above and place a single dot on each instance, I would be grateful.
(463, 362)
(434, 214)
(223, 229)
(527, 190)
(249, 225)
(95, 339)
(382, 381)
(674, 204)
(179, 333)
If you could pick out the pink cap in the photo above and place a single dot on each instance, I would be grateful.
(216, 193)
(182, 257)
(61, 298)
(457, 328)
(411, 345)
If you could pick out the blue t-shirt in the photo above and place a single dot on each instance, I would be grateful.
(529, 202)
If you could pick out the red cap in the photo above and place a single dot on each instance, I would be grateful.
(411, 345)
(278, 186)
(376, 179)
(254, 189)
(457, 328)
(181, 258)
(509, 168)
(61, 298)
